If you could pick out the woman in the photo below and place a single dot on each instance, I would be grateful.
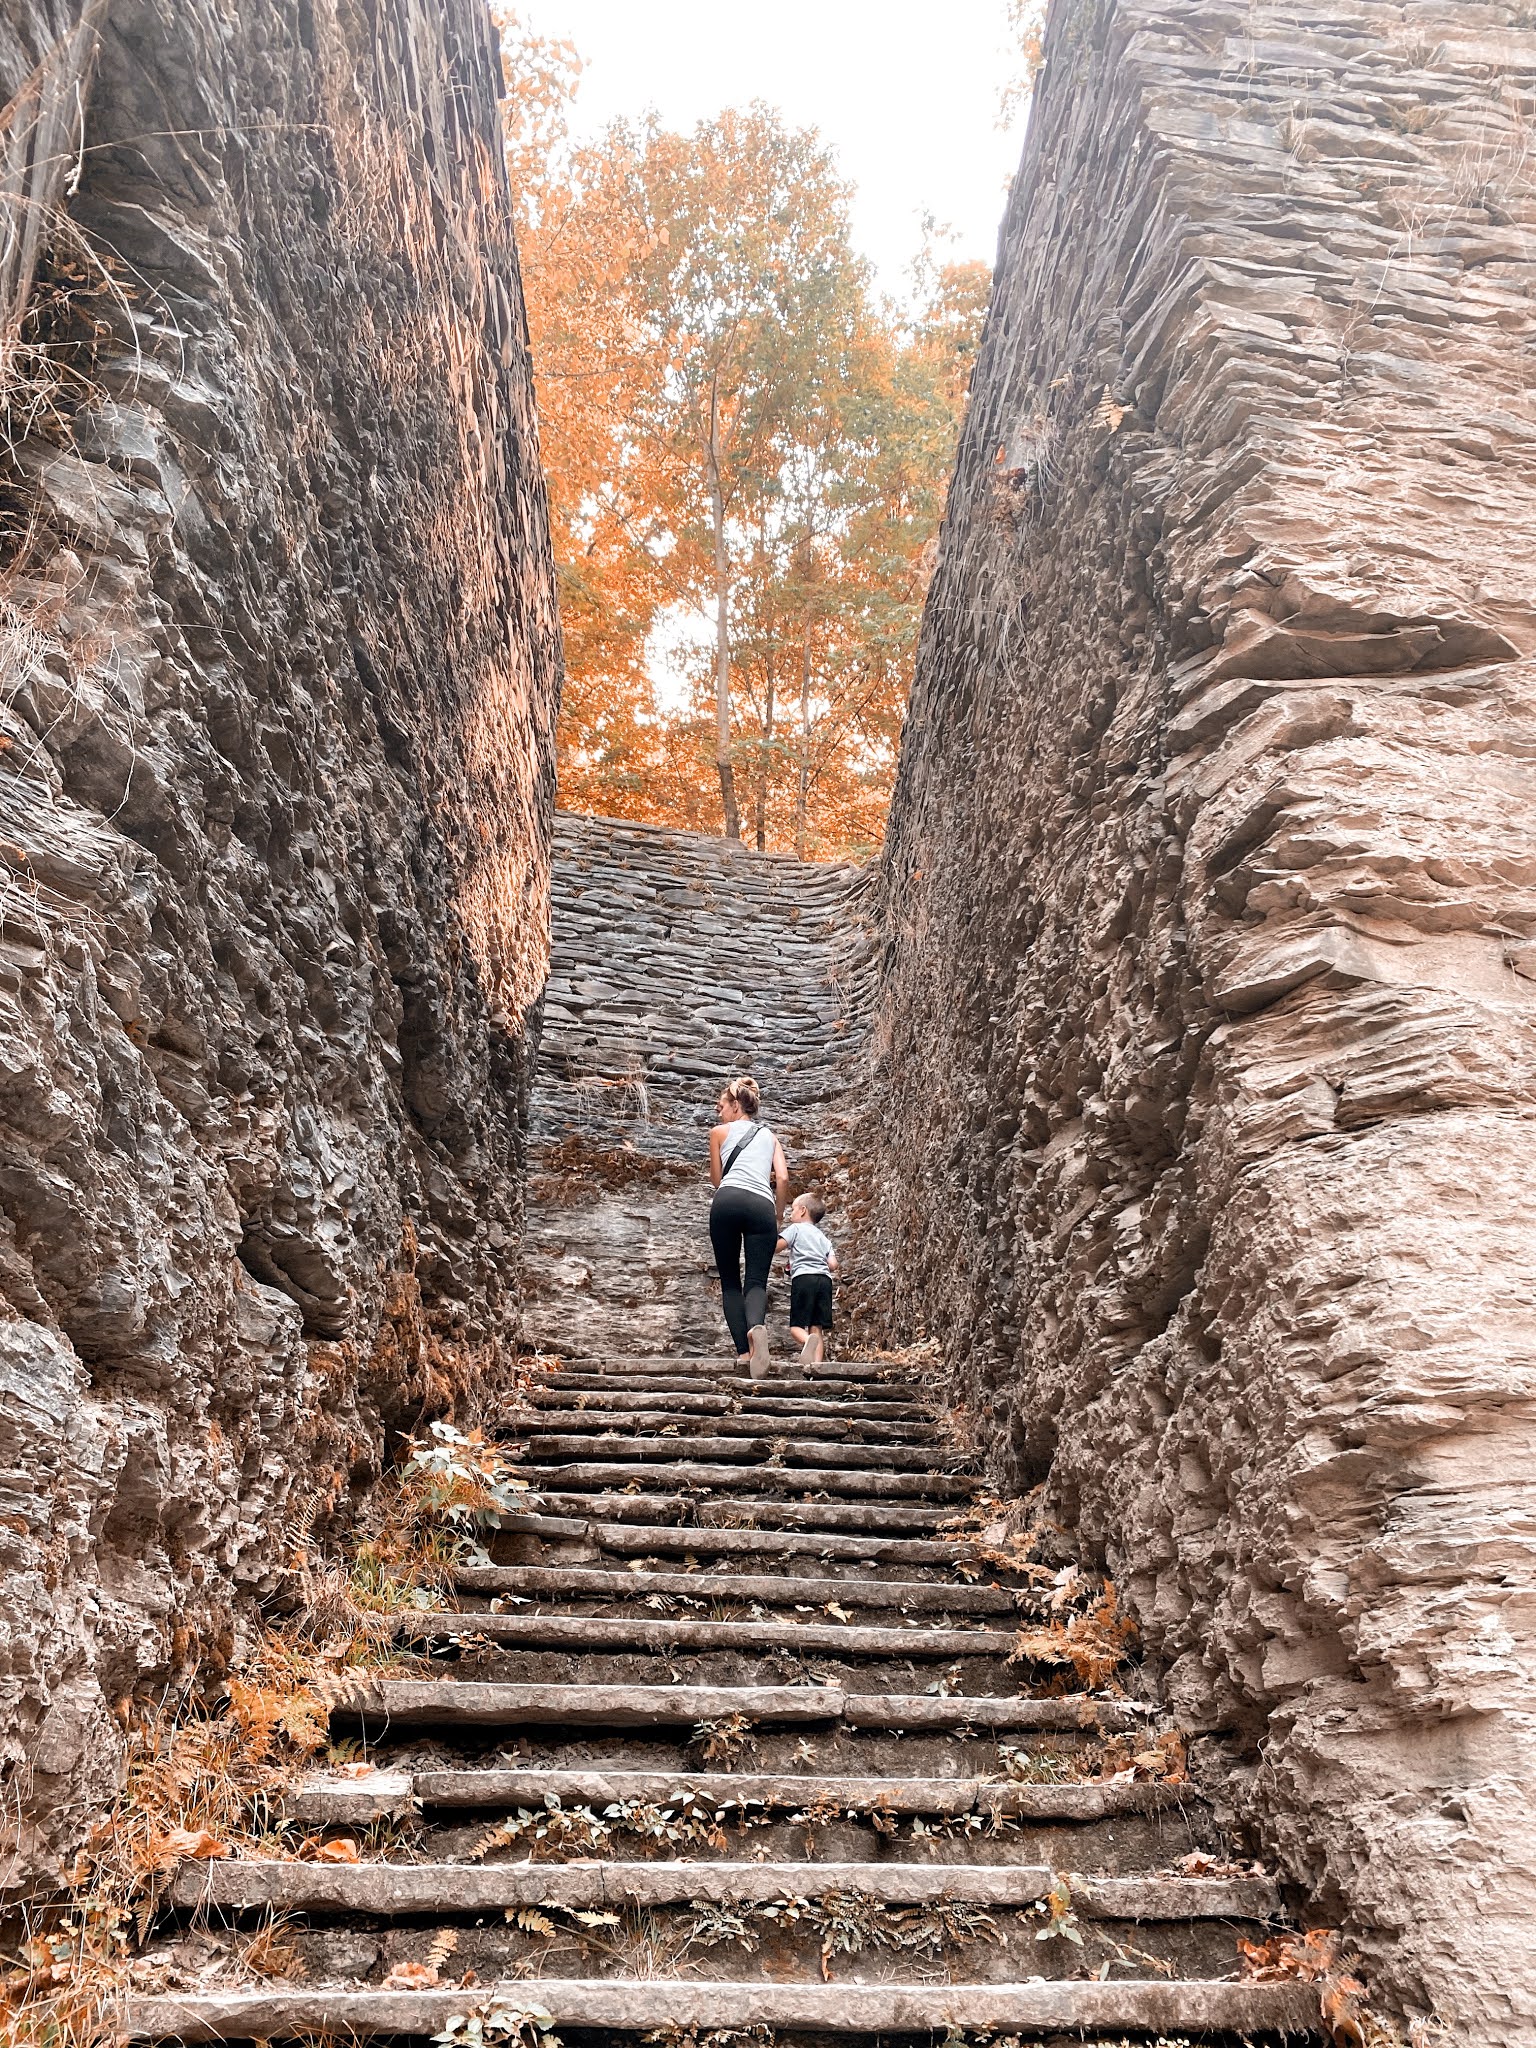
(751, 1179)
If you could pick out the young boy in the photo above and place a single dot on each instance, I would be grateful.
(812, 1269)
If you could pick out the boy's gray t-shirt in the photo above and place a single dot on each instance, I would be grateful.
(810, 1249)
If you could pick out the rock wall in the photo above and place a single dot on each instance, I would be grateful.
(1206, 1052)
(277, 682)
(678, 961)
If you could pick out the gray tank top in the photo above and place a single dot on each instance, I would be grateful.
(752, 1168)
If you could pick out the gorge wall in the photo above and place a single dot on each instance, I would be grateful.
(1206, 1049)
(278, 668)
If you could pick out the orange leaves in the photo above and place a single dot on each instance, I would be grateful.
(190, 1845)
(423, 1975)
(269, 1714)
(337, 1849)
(1094, 1644)
(1313, 1958)
(410, 1977)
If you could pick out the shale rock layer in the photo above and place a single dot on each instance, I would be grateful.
(676, 962)
(1210, 895)
(279, 668)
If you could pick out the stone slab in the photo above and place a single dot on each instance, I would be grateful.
(591, 1476)
(400, 1889)
(570, 1582)
(600, 1633)
(1190, 2006)
(410, 1702)
(1072, 1803)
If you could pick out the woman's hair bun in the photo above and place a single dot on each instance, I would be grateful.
(744, 1092)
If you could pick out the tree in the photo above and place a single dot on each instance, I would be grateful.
(734, 432)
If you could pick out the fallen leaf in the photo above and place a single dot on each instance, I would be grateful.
(357, 1770)
(410, 1977)
(196, 1845)
(338, 1851)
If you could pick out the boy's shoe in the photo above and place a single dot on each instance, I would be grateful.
(758, 1353)
(814, 1349)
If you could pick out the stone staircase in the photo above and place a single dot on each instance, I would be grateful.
(729, 1742)
(728, 1738)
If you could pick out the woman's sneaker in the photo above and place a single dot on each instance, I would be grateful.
(757, 1341)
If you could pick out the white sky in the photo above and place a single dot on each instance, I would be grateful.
(907, 94)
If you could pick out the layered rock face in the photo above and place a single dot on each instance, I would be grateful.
(279, 670)
(678, 961)
(1207, 1035)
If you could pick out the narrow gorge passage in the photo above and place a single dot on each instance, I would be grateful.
(734, 1732)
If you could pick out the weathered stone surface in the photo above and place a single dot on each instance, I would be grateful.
(278, 660)
(565, 1581)
(490, 1788)
(609, 1632)
(1206, 1050)
(453, 1888)
(414, 1702)
(832, 2008)
(677, 962)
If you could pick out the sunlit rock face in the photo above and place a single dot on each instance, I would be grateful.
(279, 669)
(1207, 1052)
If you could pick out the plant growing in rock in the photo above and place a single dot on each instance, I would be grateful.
(724, 1740)
(555, 1829)
(496, 2021)
(453, 1487)
(1093, 1644)
(1036, 1766)
(714, 2037)
(201, 1783)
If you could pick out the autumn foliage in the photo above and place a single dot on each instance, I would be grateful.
(747, 453)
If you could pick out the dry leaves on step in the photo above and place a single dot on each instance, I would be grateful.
(194, 1845)
(337, 1850)
(1201, 1863)
(410, 1977)
(356, 1770)
(1313, 1958)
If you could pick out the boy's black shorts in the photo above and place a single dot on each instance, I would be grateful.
(810, 1302)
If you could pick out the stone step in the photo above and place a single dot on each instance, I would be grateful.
(557, 1398)
(752, 1447)
(599, 1634)
(626, 2005)
(453, 1888)
(447, 1702)
(768, 1478)
(340, 1801)
(856, 1371)
(778, 1386)
(862, 1409)
(578, 1582)
(656, 1424)
(645, 1540)
(642, 1510)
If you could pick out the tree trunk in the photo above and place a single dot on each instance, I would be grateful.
(762, 780)
(732, 816)
(803, 793)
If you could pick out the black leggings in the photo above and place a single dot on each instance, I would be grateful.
(740, 1221)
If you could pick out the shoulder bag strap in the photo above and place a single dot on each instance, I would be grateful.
(737, 1149)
